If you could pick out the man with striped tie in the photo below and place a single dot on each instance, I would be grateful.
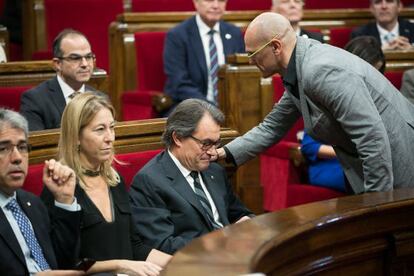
(179, 195)
(28, 242)
(196, 48)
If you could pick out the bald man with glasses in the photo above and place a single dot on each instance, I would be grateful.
(74, 61)
(179, 195)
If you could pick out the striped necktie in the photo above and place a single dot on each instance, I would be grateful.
(74, 94)
(213, 70)
(201, 195)
(28, 234)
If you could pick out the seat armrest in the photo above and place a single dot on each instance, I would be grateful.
(161, 102)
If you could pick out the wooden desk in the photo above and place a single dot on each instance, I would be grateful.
(370, 234)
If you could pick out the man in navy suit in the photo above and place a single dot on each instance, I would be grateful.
(74, 60)
(293, 11)
(186, 53)
(29, 243)
(179, 195)
(392, 32)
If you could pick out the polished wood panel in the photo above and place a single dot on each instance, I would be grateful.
(24, 73)
(369, 234)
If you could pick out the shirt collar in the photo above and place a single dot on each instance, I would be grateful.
(5, 199)
(383, 32)
(203, 28)
(291, 76)
(182, 169)
(66, 89)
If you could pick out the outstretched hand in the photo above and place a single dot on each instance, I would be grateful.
(60, 180)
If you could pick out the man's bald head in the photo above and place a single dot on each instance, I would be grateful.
(266, 26)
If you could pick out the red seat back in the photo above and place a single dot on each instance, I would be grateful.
(34, 181)
(340, 36)
(187, 5)
(91, 17)
(395, 77)
(10, 96)
(132, 163)
(149, 58)
(329, 4)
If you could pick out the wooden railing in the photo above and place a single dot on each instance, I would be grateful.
(369, 234)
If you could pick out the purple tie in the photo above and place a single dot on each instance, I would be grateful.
(213, 64)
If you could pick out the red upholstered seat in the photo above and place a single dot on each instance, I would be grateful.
(10, 96)
(395, 77)
(91, 17)
(150, 76)
(329, 4)
(340, 36)
(187, 5)
(34, 181)
(285, 184)
(133, 162)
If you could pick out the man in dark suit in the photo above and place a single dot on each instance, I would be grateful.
(188, 52)
(74, 62)
(392, 32)
(28, 242)
(293, 11)
(179, 195)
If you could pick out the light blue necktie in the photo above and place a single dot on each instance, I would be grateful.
(213, 64)
(28, 234)
(201, 195)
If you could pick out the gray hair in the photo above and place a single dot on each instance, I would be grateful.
(185, 117)
(14, 120)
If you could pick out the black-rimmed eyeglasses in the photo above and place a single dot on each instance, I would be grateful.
(207, 144)
(6, 148)
(75, 58)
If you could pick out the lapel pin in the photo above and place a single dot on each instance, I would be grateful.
(212, 176)
(228, 36)
(29, 204)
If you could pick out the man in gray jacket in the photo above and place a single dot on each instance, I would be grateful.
(344, 102)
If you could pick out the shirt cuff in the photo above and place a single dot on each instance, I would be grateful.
(229, 156)
(69, 207)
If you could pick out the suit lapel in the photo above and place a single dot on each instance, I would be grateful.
(226, 38)
(211, 181)
(10, 239)
(197, 45)
(180, 184)
(56, 94)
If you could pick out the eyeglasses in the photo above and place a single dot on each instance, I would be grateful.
(250, 55)
(7, 148)
(207, 144)
(75, 58)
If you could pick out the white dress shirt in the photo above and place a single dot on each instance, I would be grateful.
(66, 89)
(388, 36)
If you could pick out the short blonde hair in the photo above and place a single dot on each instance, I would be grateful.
(78, 113)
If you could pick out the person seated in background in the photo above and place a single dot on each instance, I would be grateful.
(293, 11)
(107, 234)
(29, 243)
(324, 168)
(392, 32)
(179, 195)
(196, 48)
(74, 60)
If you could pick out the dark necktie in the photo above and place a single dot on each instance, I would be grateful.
(201, 195)
(74, 94)
(213, 64)
(28, 234)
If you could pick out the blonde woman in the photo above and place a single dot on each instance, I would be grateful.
(107, 233)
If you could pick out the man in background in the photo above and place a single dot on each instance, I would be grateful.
(74, 60)
(196, 48)
(392, 32)
(293, 11)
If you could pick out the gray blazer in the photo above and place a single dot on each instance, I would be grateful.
(407, 85)
(347, 103)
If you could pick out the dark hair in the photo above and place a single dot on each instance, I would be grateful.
(372, 1)
(57, 51)
(185, 117)
(368, 48)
